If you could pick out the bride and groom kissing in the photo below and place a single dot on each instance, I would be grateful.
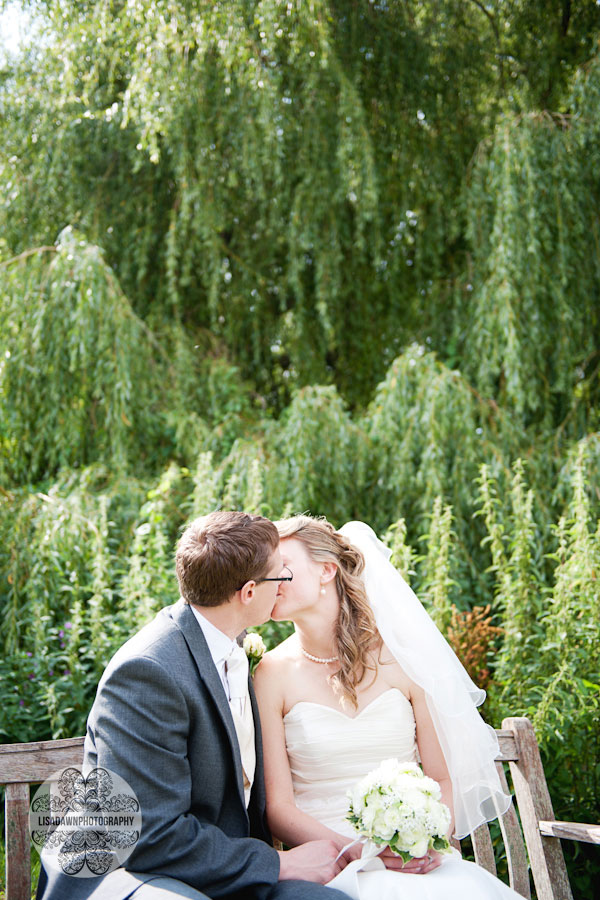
(365, 676)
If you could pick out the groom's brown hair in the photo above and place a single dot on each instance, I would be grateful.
(218, 553)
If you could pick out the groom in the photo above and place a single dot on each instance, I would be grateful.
(175, 716)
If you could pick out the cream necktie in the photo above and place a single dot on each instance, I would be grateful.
(241, 711)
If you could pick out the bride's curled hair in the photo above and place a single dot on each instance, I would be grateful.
(356, 634)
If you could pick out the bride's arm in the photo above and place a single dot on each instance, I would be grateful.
(287, 823)
(430, 751)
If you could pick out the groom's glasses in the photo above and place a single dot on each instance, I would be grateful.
(288, 577)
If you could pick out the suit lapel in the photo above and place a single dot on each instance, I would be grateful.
(185, 620)
(258, 786)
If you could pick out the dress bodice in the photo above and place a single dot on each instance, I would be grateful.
(330, 751)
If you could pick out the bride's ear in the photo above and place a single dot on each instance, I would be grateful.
(328, 573)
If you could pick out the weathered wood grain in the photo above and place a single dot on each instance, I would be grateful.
(516, 855)
(18, 872)
(20, 766)
(33, 763)
(508, 745)
(575, 831)
(483, 848)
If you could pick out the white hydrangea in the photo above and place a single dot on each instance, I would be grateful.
(380, 827)
(420, 847)
(396, 804)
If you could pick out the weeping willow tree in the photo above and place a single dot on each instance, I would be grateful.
(290, 175)
(533, 334)
(83, 378)
(78, 369)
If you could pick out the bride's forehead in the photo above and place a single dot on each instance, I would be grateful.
(292, 548)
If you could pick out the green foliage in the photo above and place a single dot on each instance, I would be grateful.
(56, 609)
(318, 451)
(428, 432)
(82, 378)
(435, 590)
(533, 316)
(548, 667)
(147, 583)
(403, 557)
(261, 169)
(520, 582)
(76, 364)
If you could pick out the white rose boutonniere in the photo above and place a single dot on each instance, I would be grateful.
(398, 806)
(254, 648)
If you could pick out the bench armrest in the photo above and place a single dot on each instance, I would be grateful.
(575, 831)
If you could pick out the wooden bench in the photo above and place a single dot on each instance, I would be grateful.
(24, 764)
(20, 766)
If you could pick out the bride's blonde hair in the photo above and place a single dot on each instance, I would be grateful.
(356, 634)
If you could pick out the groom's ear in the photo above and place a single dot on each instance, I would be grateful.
(246, 593)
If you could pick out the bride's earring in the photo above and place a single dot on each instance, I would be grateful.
(322, 590)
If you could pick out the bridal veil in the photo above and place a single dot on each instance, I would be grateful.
(468, 744)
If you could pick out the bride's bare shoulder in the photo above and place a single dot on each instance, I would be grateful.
(393, 672)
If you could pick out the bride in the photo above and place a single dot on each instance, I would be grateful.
(365, 677)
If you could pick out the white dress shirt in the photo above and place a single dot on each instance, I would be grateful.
(221, 646)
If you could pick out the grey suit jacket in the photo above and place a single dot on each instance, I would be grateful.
(161, 720)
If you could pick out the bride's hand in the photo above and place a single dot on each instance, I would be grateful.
(353, 852)
(417, 866)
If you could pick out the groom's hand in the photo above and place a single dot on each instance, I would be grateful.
(313, 861)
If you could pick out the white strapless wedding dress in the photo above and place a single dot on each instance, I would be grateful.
(329, 752)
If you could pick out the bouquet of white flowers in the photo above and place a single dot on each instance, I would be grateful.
(398, 806)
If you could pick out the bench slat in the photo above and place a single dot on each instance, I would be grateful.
(508, 746)
(518, 869)
(483, 848)
(18, 850)
(33, 763)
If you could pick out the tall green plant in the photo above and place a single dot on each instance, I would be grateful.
(548, 667)
(436, 588)
(520, 586)
(403, 556)
(571, 647)
(64, 632)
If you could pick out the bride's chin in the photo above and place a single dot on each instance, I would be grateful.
(280, 614)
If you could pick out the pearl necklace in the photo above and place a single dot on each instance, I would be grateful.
(319, 659)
